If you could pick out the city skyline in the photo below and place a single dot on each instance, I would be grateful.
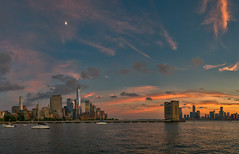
(128, 58)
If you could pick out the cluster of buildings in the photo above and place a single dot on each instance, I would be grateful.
(172, 111)
(72, 110)
(221, 115)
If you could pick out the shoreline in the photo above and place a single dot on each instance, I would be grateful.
(93, 121)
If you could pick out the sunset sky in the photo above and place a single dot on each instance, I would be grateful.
(128, 56)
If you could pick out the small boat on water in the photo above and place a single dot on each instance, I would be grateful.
(8, 125)
(41, 126)
(101, 123)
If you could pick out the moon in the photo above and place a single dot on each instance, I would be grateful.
(66, 23)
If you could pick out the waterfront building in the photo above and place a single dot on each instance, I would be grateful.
(193, 113)
(197, 115)
(70, 104)
(15, 109)
(78, 95)
(66, 111)
(94, 111)
(91, 110)
(221, 113)
(102, 115)
(180, 113)
(171, 110)
(228, 115)
(56, 106)
(212, 115)
(98, 113)
(56, 103)
(194, 109)
(44, 113)
(20, 103)
(87, 107)
(24, 108)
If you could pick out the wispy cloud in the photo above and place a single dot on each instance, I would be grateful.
(136, 49)
(207, 67)
(203, 6)
(101, 48)
(219, 15)
(230, 68)
(173, 44)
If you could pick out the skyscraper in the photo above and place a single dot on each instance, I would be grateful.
(221, 113)
(78, 96)
(180, 113)
(171, 110)
(20, 103)
(70, 104)
(87, 107)
(194, 109)
(212, 115)
(56, 103)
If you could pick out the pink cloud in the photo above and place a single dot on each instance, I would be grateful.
(34, 69)
(207, 67)
(219, 15)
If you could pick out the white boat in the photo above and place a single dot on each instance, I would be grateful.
(8, 125)
(101, 123)
(41, 126)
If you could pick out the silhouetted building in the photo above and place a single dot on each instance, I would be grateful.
(193, 113)
(180, 113)
(221, 113)
(212, 115)
(171, 110)
(197, 115)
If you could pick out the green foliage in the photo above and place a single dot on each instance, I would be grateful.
(21, 117)
(9, 118)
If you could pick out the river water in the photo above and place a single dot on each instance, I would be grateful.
(183, 137)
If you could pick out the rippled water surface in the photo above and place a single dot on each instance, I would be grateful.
(185, 137)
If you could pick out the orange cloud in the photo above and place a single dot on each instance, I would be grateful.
(205, 101)
(88, 95)
(230, 68)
